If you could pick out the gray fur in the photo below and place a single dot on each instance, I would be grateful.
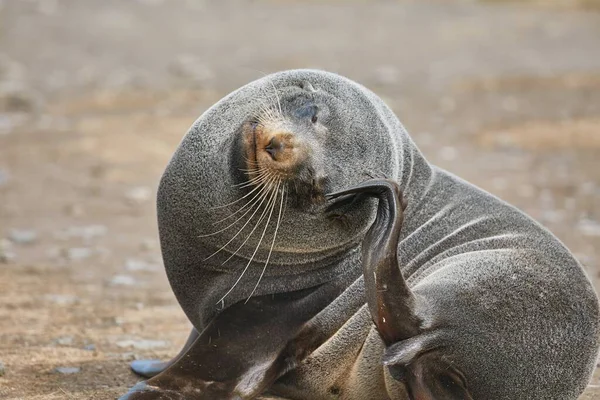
(514, 309)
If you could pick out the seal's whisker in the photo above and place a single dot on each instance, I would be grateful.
(260, 178)
(261, 175)
(269, 204)
(277, 96)
(257, 246)
(236, 201)
(266, 113)
(272, 244)
(241, 229)
(264, 192)
(238, 219)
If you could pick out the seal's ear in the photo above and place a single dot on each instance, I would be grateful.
(306, 85)
(420, 363)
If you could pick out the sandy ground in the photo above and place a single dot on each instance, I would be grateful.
(95, 96)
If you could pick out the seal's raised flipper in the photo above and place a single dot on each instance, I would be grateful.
(412, 353)
(150, 368)
(390, 300)
(237, 356)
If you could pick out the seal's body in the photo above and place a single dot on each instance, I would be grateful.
(416, 286)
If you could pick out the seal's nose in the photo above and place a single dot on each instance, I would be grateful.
(276, 147)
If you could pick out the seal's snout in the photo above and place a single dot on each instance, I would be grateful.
(280, 147)
(271, 149)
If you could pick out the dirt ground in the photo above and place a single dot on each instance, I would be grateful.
(96, 95)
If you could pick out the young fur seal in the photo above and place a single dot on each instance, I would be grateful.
(319, 256)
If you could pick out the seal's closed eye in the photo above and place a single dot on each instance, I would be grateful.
(308, 111)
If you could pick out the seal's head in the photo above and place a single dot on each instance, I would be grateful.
(284, 146)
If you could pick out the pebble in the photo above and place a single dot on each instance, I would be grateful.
(448, 153)
(138, 195)
(2, 369)
(139, 265)
(127, 356)
(78, 253)
(387, 74)
(6, 251)
(447, 104)
(123, 280)
(68, 370)
(86, 233)
(64, 340)
(149, 244)
(142, 344)
(90, 347)
(3, 177)
(589, 227)
(62, 299)
(22, 236)
(6, 124)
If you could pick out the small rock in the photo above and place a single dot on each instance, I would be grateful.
(3, 177)
(589, 227)
(84, 232)
(552, 216)
(78, 253)
(128, 356)
(447, 104)
(74, 210)
(123, 280)
(6, 124)
(138, 195)
(90, 347)
(149, 244)
(62, 299)
(64, 340)
(2, 369)
(500, 183)
(139, 265)
(387, 74)
(448, 153)
(526, 191)
(142, 344)
(18, 100)
(510, 104)
(68, 370)
(22, 236)
(6, 251)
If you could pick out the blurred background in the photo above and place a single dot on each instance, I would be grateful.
(96, 95)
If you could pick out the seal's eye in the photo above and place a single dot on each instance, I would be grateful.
(307, 111)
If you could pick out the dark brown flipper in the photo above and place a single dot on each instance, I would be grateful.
(390, 300)
(414, 356)
(150, 368)
(238, 355)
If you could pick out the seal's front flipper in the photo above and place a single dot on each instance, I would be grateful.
(238, 355)
(150, 368)
(391, 303)
(414, 355)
